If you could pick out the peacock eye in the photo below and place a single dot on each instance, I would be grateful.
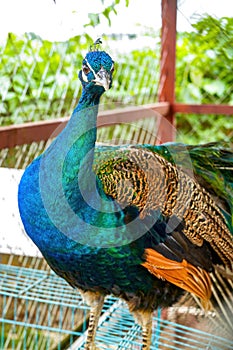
(86, 69)
(112, 69)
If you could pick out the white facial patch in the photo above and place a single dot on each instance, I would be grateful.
(84, 77)
(90, 67)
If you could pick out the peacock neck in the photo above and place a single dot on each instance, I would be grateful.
(77, 140)
(80, 132)
(66, 166)
(80, 137)
(87, 100)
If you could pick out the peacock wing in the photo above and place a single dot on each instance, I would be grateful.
(210, 164)
(138, 176)
(158, 182)
(213, 164)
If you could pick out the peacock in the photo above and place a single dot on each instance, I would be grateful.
(141, 222)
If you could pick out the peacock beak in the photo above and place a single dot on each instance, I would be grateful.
(102, 78)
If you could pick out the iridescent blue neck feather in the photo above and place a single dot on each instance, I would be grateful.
(63, 187)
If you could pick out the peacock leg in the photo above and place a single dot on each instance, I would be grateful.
(146, 333)
(95, 301)
(144, 318)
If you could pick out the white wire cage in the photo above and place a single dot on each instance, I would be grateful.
(41, 311)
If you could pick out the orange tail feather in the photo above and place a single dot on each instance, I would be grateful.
(184, 275)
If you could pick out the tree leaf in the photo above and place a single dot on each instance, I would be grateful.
(94, 19)
(216, 87)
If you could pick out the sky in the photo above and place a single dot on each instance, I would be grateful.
(66, 18)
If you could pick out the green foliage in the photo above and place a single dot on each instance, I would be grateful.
(95, 18)
(39, 79)
(204, 65)
(204, 61)
(195, 129)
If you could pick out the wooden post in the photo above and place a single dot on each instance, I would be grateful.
(167, 67)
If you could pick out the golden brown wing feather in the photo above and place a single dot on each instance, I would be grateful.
(138, 177)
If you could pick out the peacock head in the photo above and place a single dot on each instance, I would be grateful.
(96, 73)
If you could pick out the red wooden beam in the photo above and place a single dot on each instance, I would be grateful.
(202, 109)
(13, 135)
(167, 65)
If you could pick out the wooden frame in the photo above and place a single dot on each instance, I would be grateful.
(202, 109)
(167, 74)
(13, 135)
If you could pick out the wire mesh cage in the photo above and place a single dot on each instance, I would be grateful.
(36, 312)
(117, 330)
(40, 311)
